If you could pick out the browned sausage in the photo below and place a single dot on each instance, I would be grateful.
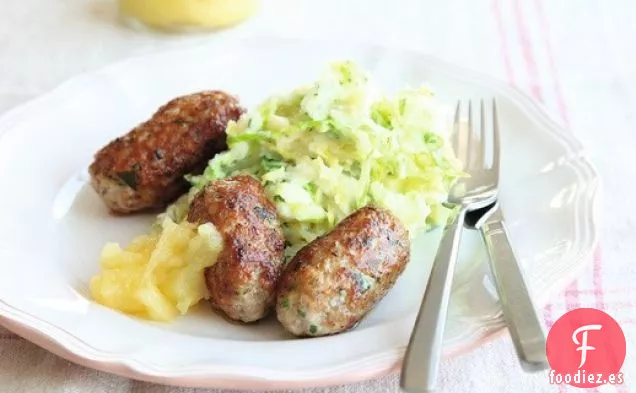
(145, 168)
(335, 280)
(242, 282)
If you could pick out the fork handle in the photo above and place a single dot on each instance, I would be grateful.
(423, 354)
(519, 311)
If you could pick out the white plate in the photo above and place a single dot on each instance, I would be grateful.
(54, 224)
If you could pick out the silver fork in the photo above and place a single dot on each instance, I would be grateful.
(423, 354)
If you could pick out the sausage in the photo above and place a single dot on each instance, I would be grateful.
(334, 281)
(145, 168)
(242, 282)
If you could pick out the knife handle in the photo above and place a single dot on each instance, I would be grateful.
(424, 351)
(524, 324)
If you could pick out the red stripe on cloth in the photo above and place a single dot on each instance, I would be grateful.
(528, 55)
(597, 279)
(545, 30)
(496, 9)
(547, 315)
(572, 296)
(503, 41)
(597, 274)
(572, 291)
(535, 90)
(619, 304)
(624, 290)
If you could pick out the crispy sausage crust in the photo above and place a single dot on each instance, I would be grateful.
(242, 282)
(335, 280)
(145, 168)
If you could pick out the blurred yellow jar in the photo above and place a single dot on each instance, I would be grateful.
(185, 15)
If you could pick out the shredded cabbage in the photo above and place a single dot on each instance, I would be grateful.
(327, 149)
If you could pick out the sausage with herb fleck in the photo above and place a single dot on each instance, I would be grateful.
(242, 281)
(145, 168)
(338, 278)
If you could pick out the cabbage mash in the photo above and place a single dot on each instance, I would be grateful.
(324, 150)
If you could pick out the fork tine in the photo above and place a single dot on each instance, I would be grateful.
(495, 137)
(456, 129)
(471, 136)
(482, 132)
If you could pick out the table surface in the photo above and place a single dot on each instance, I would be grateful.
(576, 57)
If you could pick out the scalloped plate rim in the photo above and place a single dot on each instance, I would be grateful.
(68, 346)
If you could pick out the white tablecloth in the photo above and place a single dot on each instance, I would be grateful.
(577, 57)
